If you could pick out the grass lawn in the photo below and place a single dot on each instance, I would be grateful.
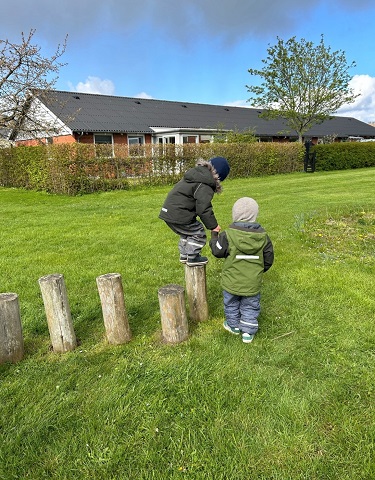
(297, 403)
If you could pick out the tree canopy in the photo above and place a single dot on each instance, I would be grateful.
(235, 136)
(302, 83)
(23, 69)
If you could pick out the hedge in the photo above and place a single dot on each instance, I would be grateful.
(73, 169)
(344, 155)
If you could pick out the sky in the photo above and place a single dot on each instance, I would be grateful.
(196, 51)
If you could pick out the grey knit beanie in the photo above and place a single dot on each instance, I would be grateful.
(245, 210)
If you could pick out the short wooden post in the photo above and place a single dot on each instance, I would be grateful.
(196, 291)
(173, 313)
(113, 307)
(11, 339)
(58, 314)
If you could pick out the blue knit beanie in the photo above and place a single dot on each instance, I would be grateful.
(221, 165)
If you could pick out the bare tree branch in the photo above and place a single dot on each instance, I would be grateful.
(23, 69)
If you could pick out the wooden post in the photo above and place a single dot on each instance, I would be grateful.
(58, 314)
(113, 307)
(173, 313)
(195, 278)
(11, 339)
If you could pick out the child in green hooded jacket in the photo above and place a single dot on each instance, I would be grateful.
(248, 253)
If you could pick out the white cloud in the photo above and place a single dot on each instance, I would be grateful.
(238, 103)
(364, 106)
(143, 95)
(94, 85)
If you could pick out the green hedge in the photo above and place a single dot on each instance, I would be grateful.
(73, 169)
(344, 155)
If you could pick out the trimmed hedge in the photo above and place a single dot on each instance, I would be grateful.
(73, 169)
(344, 156)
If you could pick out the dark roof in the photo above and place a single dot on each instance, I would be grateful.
(103, 113)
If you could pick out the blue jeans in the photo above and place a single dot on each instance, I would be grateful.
(242, 312)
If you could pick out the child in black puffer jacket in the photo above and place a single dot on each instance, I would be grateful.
(191, 198)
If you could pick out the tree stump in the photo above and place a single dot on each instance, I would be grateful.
(173, 313)
(11, 339)
(58, 314)
(196, 291)
(113, 307)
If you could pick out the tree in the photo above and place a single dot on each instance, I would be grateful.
(302, 83)
(235, 136)
(22, 70)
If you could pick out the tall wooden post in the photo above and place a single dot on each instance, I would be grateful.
(195, 278)
(58, 314)
(173, 313)
(11, 339)
(113, 307)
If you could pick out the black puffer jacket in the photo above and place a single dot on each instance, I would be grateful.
(192, 196)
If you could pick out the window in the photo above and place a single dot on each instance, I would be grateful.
(101, 139)
(163, 140)
(104, 145)
(189, 139)
(135, 143)
(136, 140)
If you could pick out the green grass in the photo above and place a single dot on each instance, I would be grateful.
(297, 403)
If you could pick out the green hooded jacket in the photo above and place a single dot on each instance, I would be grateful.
(248, 253)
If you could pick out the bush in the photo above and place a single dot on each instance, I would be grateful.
(345, 155)
(73, 169)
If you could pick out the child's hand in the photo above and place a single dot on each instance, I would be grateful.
(217, 229)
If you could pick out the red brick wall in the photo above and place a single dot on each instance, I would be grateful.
(56, 140)
(87, 138)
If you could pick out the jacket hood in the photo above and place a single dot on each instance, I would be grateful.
(205, 173)
(249, 241)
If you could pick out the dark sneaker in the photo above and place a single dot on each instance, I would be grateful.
(234, 330)
(183, 258)
(198, 260)
(247, 338)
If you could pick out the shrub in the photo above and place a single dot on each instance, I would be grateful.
(345, 155)
(73, 169)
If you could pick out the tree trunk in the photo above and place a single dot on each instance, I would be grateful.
(11, 339)
(173, 313)
(113, 307)
(57, 309)
(195, 278)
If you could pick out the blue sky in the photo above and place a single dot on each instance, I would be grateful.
(192, 51)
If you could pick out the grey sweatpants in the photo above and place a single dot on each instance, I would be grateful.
(192, 237)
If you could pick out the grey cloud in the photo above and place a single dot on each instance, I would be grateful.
(226, 20)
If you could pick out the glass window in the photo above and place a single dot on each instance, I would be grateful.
(104, 145)
(103, 139)
(136, 140)
(189, 139)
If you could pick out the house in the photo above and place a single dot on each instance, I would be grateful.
(103, 119)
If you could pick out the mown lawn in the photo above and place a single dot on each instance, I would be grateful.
(297, 403)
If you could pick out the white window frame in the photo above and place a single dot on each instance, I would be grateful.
(105, 143)
(187, 136)
(135, 141)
